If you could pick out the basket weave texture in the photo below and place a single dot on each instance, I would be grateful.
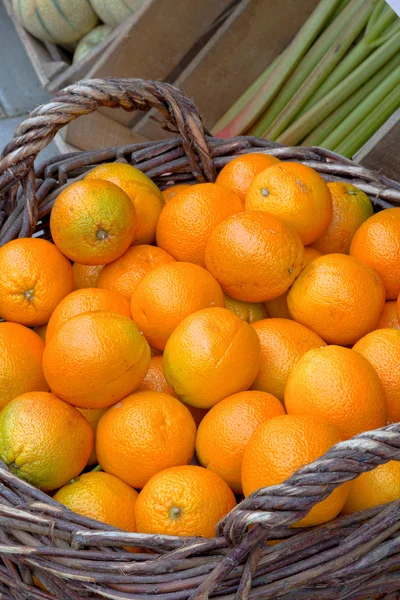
(355, 557)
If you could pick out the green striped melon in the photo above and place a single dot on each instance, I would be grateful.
(58, 21)
(90, 41)
(113, 12)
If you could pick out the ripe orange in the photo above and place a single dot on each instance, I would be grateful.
(86, 275)
(34, 278)
(93, 222)
(389, 316)
(377, 243)
(187, 221)
(247, 311)
(43, 440)
(101, 496)
(282, 343)
(185, 500)
(143, 434)
(382, 349)
(296, 194)
(277, 307)
(239, 173)
(350, 208)
(211, 355)
(144, 194)
(173, 190)
(20, 362)
(86, 300)
(155, 380)
(338, 297)
(168, 294)
(41, 331)
(93, 415)
(95, 359)
(338, 385)
(373, 488)
(282, 445)
(254, 256)
(226, 430)
(124, 274)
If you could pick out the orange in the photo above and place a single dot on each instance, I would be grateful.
(277, 307)
(373, 488)
(211, 355)
(173, 190)
(168, 294)
(41, 331)
(95, 359)
(389, 316)
(377, 243)
(187, 221)
(350, 208)
(338, 297)
(86, 300)
(247, 311)
(239, 173)
(282, 343)
(93, 415)
(340, 386)
(144, 434)
(93, 222)
(86, 275)
(155, 380)
(20, 362)
(144, 194)
(382, 349)
(254, 256)
(44, 440)
(296, 194)
(226, 430)
(124, 274)
(282, 445)
(34, 278)
(185, 500)
(101, 496)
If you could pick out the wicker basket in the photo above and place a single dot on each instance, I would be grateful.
(353, 557)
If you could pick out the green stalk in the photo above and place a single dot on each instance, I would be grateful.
(357, 138)
(349, 33)
(355, 57)
(296, 50)
(322, 131)
(338, 10)
(304, 68)
(313, 117)
(244, 99)
(375, 15)
(359, 114)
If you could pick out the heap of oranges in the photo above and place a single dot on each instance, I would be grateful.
(199, 343)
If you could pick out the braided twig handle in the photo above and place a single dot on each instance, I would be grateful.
(83, 98)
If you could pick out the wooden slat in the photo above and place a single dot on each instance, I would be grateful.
(255, 33)
(159, 36)
(96, 131)
(381, 152)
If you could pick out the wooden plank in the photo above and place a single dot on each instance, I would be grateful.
(255, 33)
(96, 131)
(381, 152)
(160, 35)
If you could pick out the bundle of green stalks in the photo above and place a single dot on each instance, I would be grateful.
(333, 86)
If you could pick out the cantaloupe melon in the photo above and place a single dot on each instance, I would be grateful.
(91, 40)
(113, 12)
(58, 21)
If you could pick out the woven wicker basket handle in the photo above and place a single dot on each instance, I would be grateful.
(83, 98)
